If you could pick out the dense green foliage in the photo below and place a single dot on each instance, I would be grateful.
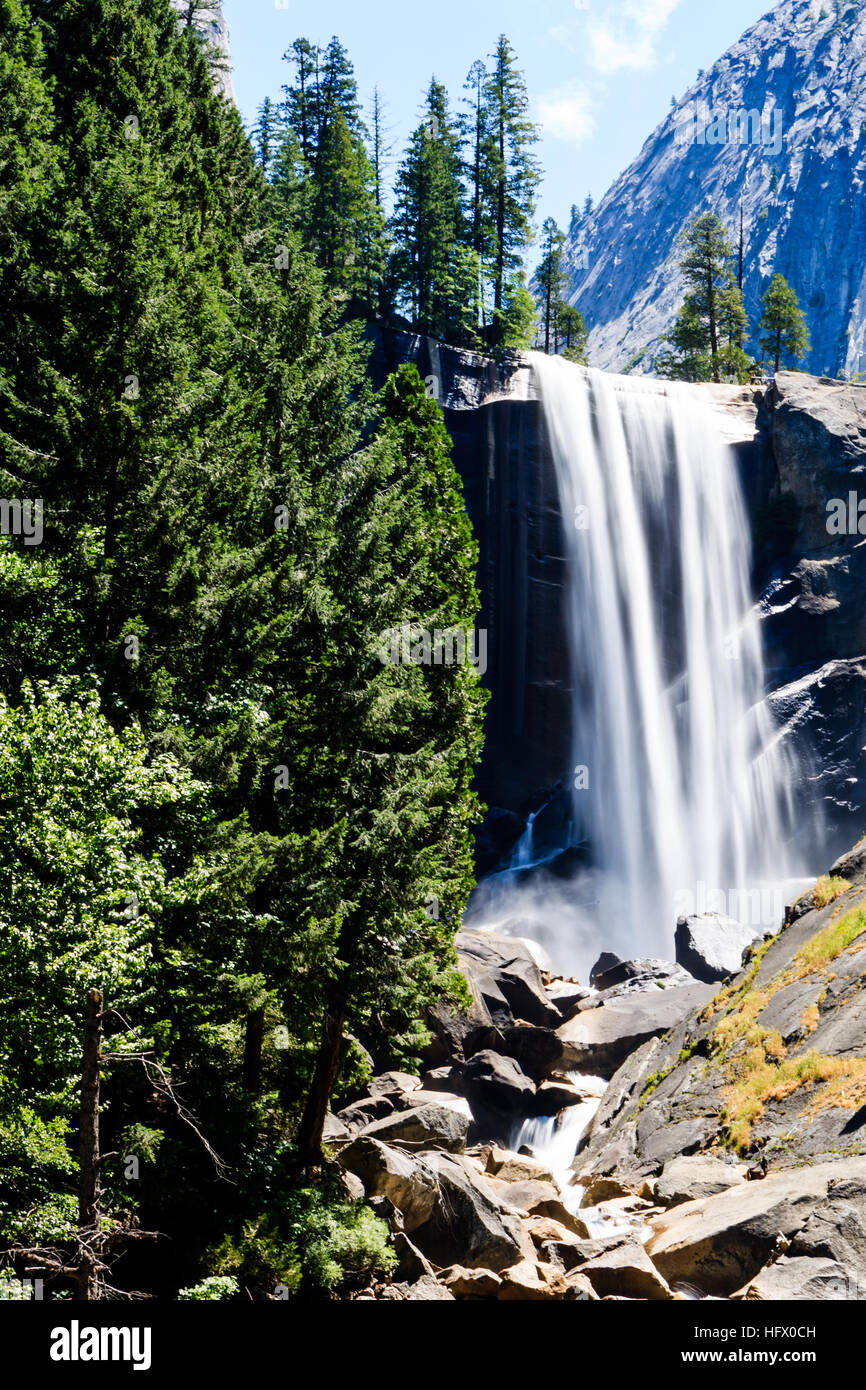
(450, 256)
(706, 342)
(218, 802)
(561, 324)
(783, 323)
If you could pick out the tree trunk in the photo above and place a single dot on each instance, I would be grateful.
(547, 322)
(316, 1109)
(711, 307)
(740, 275)
(253, 1040)
(88, 1145)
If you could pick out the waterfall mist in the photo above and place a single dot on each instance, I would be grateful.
(680, 788)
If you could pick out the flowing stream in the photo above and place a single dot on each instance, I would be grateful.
(680, 787)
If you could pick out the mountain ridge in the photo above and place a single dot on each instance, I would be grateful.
(801, 71)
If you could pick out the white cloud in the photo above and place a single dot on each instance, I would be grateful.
(566, 114)
(628, 38)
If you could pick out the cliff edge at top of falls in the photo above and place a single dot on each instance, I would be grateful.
(799, 186)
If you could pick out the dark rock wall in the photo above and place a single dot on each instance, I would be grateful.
(500, 450)
(798, 444)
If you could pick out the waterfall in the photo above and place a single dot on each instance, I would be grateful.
(681, 786)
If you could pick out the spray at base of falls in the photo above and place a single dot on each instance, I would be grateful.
(680, 777)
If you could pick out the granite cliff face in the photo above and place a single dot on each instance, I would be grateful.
(800, 445)
(211, 23)
(797, 176)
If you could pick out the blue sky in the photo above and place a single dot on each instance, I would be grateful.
(601, 73)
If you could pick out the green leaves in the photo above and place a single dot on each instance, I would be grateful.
(783, 323)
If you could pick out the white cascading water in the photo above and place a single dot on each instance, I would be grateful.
(687, 781)
(682, 785)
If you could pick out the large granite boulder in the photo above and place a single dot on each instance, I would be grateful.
(423, 1127)
(599, 1040)
(468, 1225)
(718, 1244)
(711, 946)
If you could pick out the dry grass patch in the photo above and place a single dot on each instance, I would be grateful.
(757, 1080)
(828, 889)
(827, 944)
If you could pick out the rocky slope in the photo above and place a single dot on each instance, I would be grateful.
(799, 185)
(727, 1157)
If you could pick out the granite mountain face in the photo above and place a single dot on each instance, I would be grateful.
(775, 130)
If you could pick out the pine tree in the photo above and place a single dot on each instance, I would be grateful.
(479, 160)
(713, 308)
(302, 105)
(551, 277)
(340, 215)
(406, 736)
(434, 266)
(783, 323)
(380, 148)
(266, 136)
(513, 175)
(570, 326)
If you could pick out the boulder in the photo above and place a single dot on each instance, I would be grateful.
(580, 1289)
(335, 1132)
(537, 1050)
(497, 1083)
(719, 1244)
(362, 1112)
(613, 977)
(604, 1189)
(565, 995)
(544, 1230)
(429, 1126)
(711, 946)
(450, 1101)
(628, 1271)
(393, 1083)
(609, 969)
(851, 866)
(803, 1278)
(552, 1097)
(467, 1224)
(471, 1283)
(532, 1283)
(509, 965)
(541, 1199)
(687, 1179)
(600, 1040)
(352, 1186)
(426, 1290)
(571, 1254)
(511, 1167)
(386, 1172)
(411, 1264)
